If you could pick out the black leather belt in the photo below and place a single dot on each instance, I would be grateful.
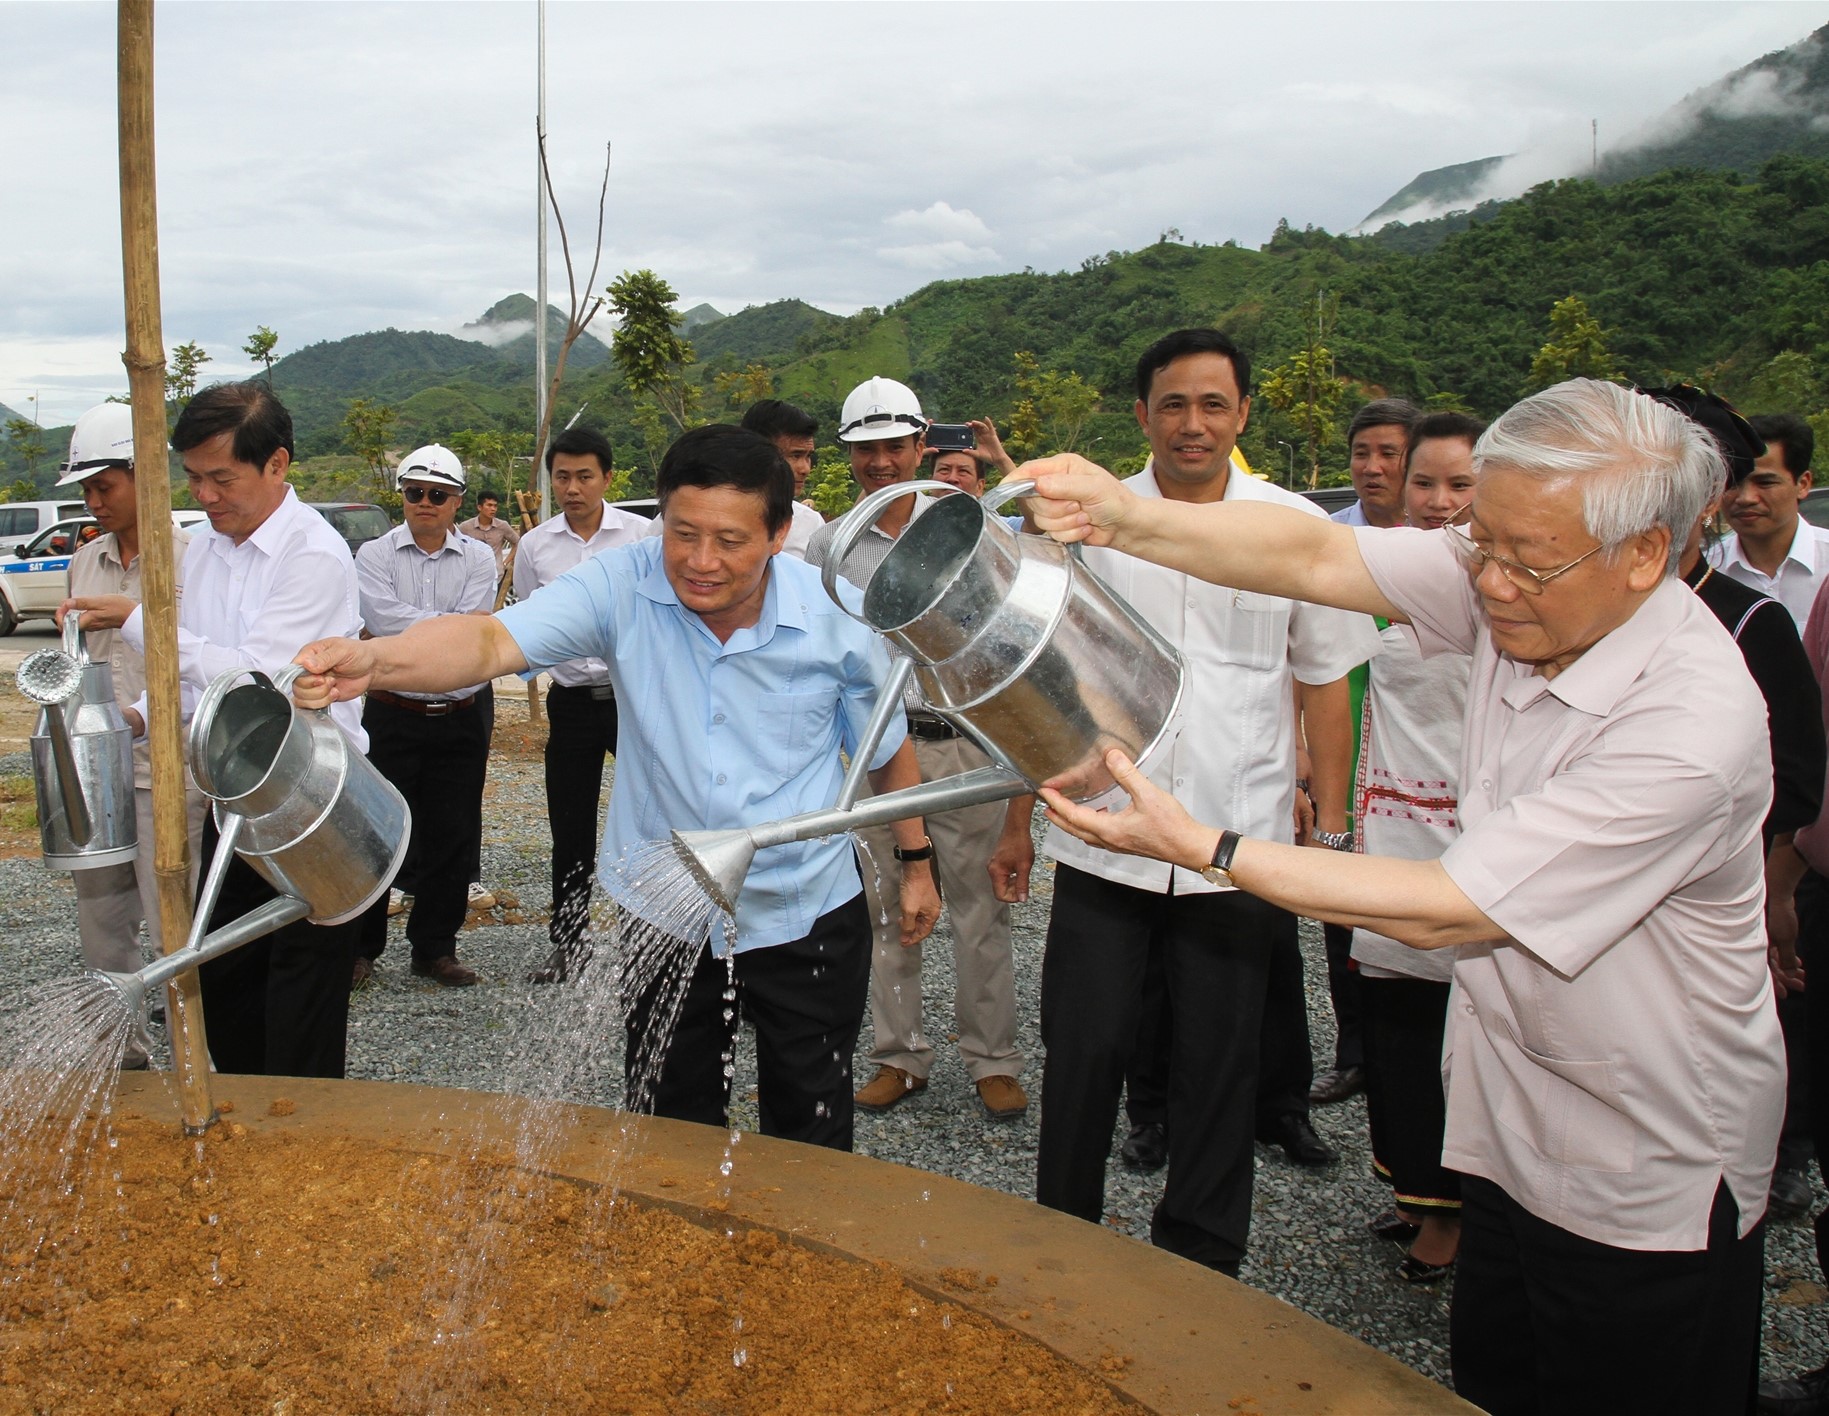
(424, 707)
(932, 729)
(599, 692)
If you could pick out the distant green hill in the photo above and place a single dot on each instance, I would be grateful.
(1443, 188)
(769, 333)
(516, 312)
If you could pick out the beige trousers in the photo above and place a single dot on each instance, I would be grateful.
(984, 992)
(113, 899)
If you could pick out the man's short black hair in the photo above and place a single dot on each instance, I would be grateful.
(1184, 342)
(1793, 434)
(1384, 413)
(1442, 426)
(774, 419)
(250, 410)
(488, 494)
(723, 455)
(583, 442)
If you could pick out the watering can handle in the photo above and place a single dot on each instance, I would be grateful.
(1007, 491)
(860, 519)
(212, 698)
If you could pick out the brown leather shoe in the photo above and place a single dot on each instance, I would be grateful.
(889, 1086)
(361, 973)
(1003, 1098)
(446, 970)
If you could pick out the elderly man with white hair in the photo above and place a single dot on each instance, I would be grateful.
(1615, 1069)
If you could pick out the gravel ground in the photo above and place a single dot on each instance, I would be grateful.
(1309, 1245)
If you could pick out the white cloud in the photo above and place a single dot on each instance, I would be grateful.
(943, 222)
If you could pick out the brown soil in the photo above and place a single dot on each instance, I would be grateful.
(267, 1273)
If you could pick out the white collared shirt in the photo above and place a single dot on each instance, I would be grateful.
(551, 549)
(800, 531)
(1618, 1055)
(400, 585)
(1233, 762)
(1800, 575)
(256, 604)
(1353, 515)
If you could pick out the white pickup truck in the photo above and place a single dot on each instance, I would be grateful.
(36, 579)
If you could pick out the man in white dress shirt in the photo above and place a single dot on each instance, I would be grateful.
(434, 747)
(1615, 1068)
(581, 704)
(1772, 548)
(793, 431)
(1234, 757)
(1377, 441)
(268, 575)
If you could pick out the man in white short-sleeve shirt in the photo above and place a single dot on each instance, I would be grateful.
(1615, 1068)
(1772, 548)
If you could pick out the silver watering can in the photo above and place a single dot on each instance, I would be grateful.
(82, 757)
(1011, 640)
(295, 800)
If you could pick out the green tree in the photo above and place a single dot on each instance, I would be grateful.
(1790, 383)
(1577, 348)
(648, 348)
(22, 490)
(1051, 409)
(182, 369)
(745, 386)
(830, 486)
(259, 348)
(27, 440)
(368, 428)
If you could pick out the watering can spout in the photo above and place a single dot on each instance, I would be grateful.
(129, 986)
(719, 862)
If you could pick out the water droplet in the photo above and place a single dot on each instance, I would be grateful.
(739, 1357)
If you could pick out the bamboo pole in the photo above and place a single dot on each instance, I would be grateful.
(145, 360)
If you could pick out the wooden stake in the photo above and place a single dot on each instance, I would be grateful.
(145, 360)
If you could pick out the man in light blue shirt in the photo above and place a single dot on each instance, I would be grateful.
(739, 682)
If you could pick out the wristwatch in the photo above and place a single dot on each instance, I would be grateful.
(1220, 871)
(925, 851)
(1333, 840)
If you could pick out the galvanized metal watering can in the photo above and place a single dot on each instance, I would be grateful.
(1011, 640)
(296, 801)
(320, 822)
(82, 757)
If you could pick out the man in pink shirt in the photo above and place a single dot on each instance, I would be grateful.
(1615, 1068)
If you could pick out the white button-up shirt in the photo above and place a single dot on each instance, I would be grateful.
(551, 549)
(1233, 762)
(1800, 574)
(800, 531)
(1619, 1055)
(400, 585)
(256, 604)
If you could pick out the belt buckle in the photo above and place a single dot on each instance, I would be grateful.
(440, 709)
(602, 692)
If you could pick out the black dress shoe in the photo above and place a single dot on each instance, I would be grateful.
(1299, 1141)
(562, 965)
(1790, 1197)
(1803, 1395)
(1337, 1085)
(1146, 1147)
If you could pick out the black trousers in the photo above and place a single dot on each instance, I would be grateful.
(1343, 990)
(1547, 1322)
(1146, 1078)
(581, 731)
(1216, 955)
(805, 1000)
(277, 1007)
(1405, 1103)
(1286, 1065)
(439, 764)
(1813, 949)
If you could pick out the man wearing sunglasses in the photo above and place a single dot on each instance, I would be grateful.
(1615, 1069)
(433, 746)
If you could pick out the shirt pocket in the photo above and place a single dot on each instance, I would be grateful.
(1568, 1110)
(1260, 629)
(791, 728)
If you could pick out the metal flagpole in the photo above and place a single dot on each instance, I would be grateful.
(539, 318)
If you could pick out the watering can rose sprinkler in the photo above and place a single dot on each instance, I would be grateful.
(294, 799)
(1008, 638)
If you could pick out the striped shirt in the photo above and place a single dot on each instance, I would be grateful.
(400, 585)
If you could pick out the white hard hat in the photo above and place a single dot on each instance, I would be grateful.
(880, 408)
(432, 463)
(102, 437)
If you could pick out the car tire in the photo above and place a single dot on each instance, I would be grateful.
(8, 620)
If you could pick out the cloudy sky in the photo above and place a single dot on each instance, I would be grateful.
(328, 168)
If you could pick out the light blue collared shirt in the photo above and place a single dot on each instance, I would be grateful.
(714, 735)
